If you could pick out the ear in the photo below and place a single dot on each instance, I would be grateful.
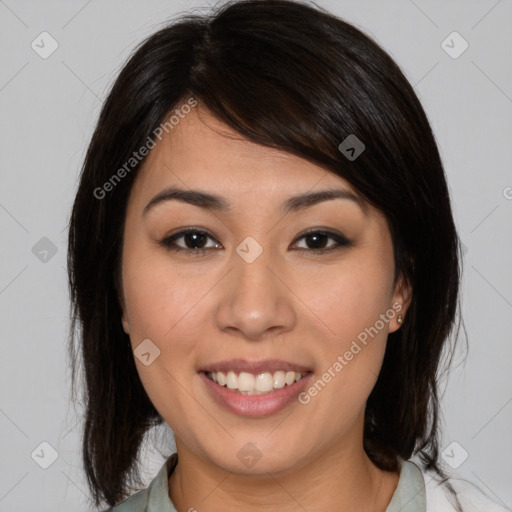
(400, 302)
(126, 324)
(124, 315)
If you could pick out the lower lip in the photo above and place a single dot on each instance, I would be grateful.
(255, 405)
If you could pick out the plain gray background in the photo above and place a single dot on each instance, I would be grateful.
(48, 111)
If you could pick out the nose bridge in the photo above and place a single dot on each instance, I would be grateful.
(256, 300)
(251, 272)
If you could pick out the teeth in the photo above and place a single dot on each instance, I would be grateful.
(250, 384)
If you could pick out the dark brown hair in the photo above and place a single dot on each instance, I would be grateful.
(287, 75)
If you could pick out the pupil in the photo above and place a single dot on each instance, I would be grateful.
(317, 237)
(193, 238)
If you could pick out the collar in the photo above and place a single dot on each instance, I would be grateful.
(409, 495)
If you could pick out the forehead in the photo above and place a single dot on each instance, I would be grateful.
(202, 152)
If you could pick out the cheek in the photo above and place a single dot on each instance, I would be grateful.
(349, 303)
(163, 307)
(159, 299)
(350, 297)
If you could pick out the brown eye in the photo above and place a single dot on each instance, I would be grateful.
(194, 241)
(316, 241)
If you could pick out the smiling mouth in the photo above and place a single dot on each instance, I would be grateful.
(262, 383)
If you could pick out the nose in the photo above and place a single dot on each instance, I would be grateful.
(255, 301)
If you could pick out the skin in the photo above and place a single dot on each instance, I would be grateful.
(216, 306)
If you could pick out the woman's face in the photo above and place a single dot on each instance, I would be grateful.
(260, 300)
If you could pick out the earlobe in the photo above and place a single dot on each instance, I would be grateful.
(126, 325)
(400, 302)
(124, 319)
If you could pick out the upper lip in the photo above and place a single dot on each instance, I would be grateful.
(242, 365)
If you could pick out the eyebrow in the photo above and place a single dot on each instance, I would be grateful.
(214, 202)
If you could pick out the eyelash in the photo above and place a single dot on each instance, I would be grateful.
(168, 242)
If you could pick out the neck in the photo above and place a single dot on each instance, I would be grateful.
(340, 479)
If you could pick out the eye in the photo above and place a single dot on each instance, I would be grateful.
(317, 239)
(195, 241)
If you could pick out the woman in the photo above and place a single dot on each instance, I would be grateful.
(262, 254)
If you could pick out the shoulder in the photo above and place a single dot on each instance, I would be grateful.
(137, 502)
(155, 497)
(456, 494)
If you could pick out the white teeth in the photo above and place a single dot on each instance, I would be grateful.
(221, 378)
(232, 380)
(250, 384)
(263, 382)
(246, 382)
(279, 380)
